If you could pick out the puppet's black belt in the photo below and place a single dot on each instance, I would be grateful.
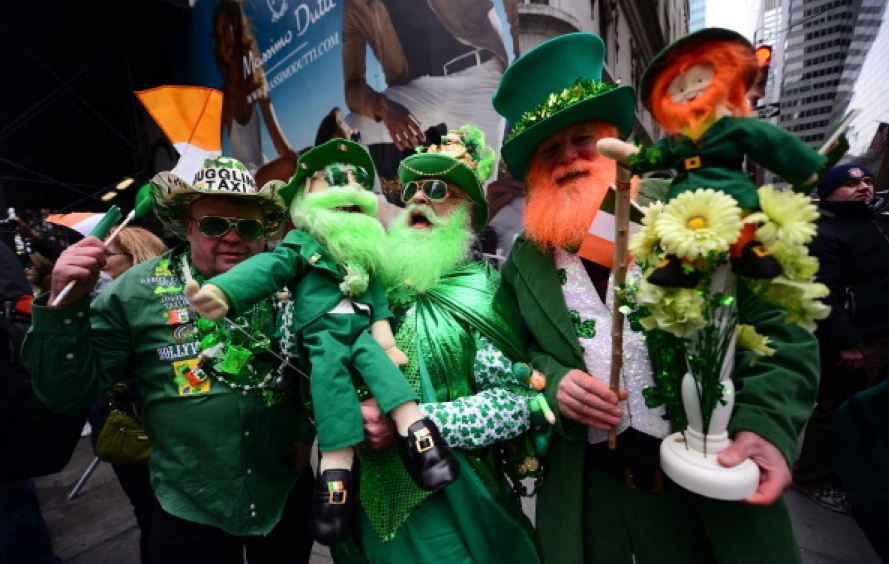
(708, 161)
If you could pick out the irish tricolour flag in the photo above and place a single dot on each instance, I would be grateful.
(83, 223)
(598, 244)
(191, 118)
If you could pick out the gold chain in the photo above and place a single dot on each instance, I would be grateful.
(442, 173)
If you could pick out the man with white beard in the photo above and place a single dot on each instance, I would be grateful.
(459, 336)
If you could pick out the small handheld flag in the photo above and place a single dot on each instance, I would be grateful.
(99, 231)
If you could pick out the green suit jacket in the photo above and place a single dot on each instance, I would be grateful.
(721, 150)
(774, 396)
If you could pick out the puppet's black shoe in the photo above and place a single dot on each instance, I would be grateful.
(756, 261)
(671, 273)
(332, 506)
(428, 460)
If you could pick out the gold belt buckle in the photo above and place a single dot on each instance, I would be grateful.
(337, 497)
(424, 440)
(692, 163)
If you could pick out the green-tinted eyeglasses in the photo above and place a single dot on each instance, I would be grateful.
(436, 190)
(338, 175)
(217, 226)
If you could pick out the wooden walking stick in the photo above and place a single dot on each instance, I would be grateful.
(621, 242)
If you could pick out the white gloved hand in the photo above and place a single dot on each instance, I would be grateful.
(209, 301)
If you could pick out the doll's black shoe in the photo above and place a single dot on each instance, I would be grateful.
(428, 460)
(670, 273)
(332, 506)
(756, 261)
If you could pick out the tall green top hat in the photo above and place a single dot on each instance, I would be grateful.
(692, 41)
(554, 85)
(462, 158)
(335, 151)
(219, 176)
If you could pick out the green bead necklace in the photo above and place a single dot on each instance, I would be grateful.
(237, 353)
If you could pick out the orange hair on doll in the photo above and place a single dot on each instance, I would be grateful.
(733, 66)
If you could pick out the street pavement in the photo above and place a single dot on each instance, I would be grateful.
(97, 526)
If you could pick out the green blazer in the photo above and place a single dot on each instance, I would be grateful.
(774, 395)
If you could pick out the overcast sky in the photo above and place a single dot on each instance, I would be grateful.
(730, 14)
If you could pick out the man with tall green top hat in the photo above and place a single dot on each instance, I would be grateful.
(328, 264)
(598, 504)
(222, 464)
(460, 339)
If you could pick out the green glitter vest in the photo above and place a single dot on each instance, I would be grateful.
(439, 330)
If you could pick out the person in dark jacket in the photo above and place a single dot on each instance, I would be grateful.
(23, 533)
(852, 246)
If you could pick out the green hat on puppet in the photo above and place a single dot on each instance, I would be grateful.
(554, 85)
(461, 158)
(333, 158)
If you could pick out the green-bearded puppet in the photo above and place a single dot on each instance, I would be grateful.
(339, 322)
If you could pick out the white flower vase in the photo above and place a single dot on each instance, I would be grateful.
(689, 458)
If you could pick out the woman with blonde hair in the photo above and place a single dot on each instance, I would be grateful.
(131, 246)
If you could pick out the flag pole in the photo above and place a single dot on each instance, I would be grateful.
(621, 244)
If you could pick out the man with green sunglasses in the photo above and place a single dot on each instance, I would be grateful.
(222, 465)
(337, 322)
(453, 325)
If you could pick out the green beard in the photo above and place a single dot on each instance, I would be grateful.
(354, 240)
(420, 257)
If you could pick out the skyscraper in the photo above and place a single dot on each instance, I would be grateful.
(825, 45)
(697, 11)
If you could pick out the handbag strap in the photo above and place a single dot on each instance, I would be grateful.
(119, 395)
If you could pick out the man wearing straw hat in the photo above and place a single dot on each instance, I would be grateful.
(597, 504)
(223, 465)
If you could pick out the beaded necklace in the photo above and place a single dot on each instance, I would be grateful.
(237, 353)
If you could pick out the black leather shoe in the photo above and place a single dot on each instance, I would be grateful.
(427, 458)
(756, 262)
(671, 274)
(332, 506)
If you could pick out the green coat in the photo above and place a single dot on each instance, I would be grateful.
(774, 397)
(203, 470)
(729, 140)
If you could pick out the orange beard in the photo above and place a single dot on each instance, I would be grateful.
(559, 213)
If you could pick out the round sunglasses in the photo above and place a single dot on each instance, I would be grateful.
(217, 226)
(435, 190)
(338, 175)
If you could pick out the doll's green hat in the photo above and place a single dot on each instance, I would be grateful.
(461, 158)
(691, 41)
(218, 176)
(335, 151)
(554, 85)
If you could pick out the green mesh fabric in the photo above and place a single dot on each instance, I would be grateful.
(382, 471)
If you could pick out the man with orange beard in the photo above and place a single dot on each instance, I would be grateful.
(617, 506)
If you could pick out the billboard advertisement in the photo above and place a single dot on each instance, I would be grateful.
(295, 72)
